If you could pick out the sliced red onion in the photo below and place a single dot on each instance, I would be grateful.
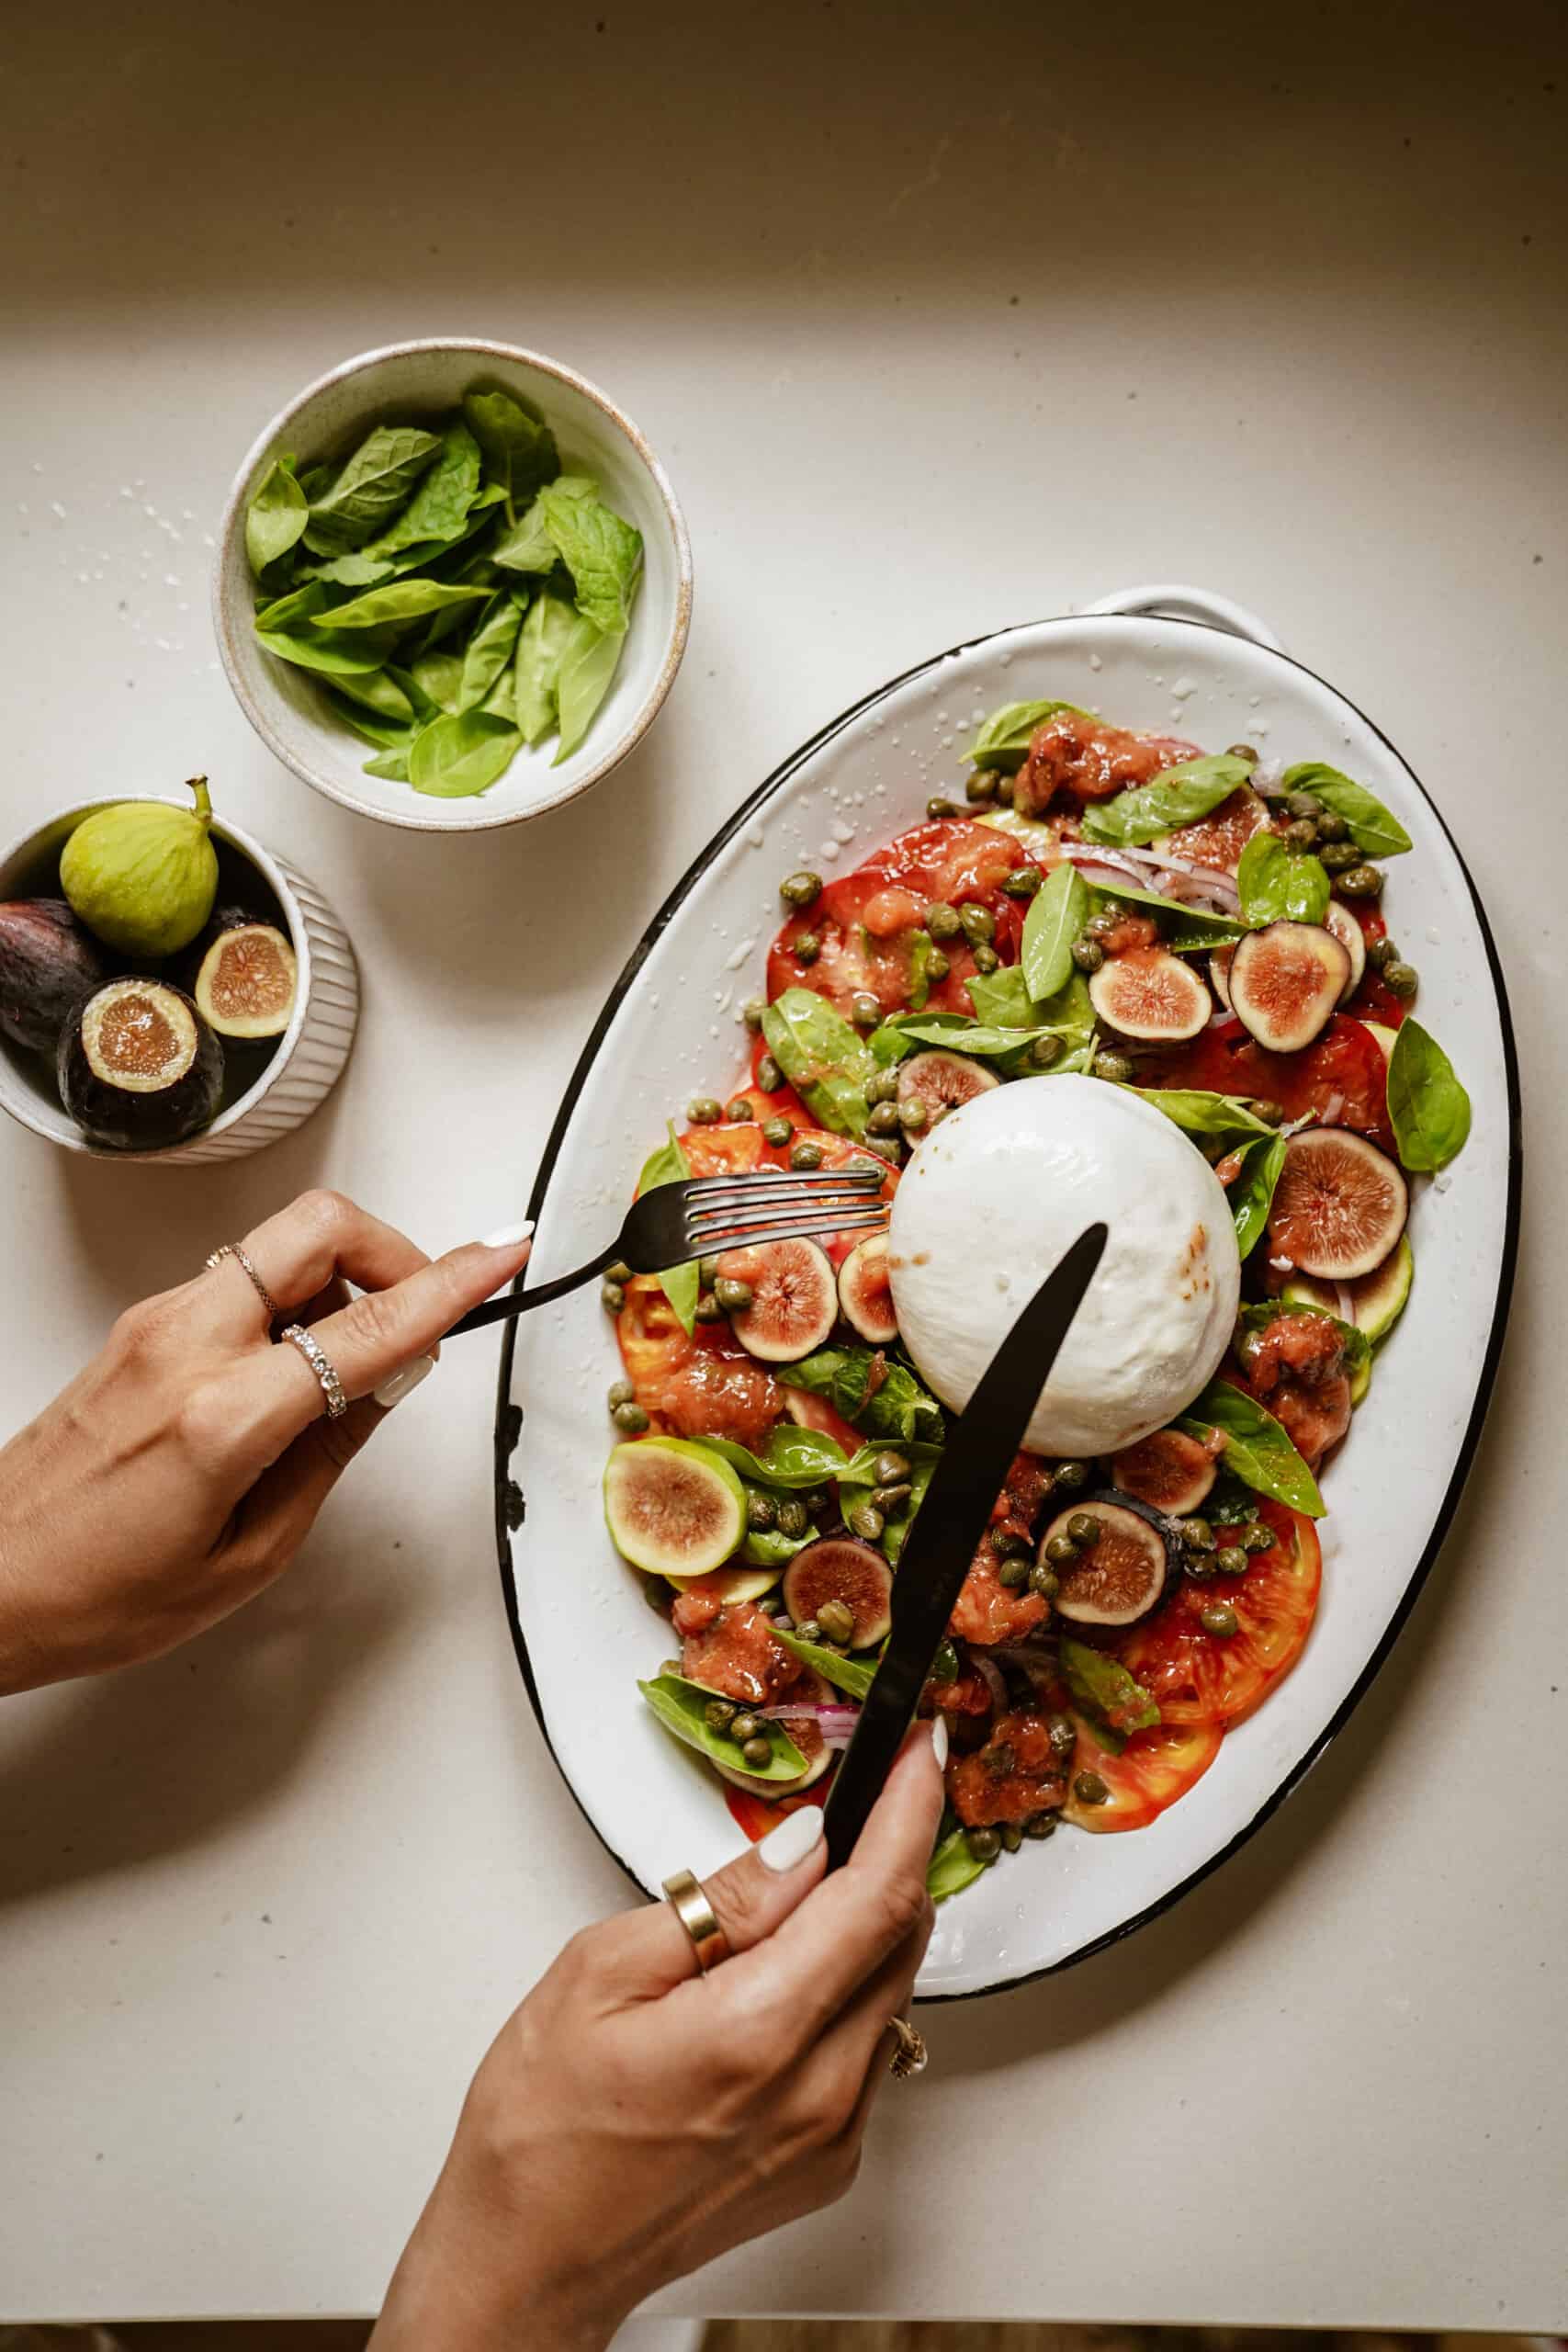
(1283, 1265)
(1345, 1305)
(1222, 1023)
(991, 1675)
(1329, 1115)
(829, 1721)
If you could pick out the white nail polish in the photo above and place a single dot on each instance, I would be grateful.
(792, 1840)
(403, 1383)
(507, 1237)
(938, 1741)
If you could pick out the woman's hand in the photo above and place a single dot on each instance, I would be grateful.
(180, 1472)
(634, 2119)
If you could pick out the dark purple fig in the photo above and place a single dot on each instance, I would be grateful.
(138, 1067)
(48, 963)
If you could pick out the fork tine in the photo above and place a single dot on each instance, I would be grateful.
(823, 1214)
(710, 1244)
(796, 1183)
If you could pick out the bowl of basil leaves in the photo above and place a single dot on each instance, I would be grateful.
(453, 585)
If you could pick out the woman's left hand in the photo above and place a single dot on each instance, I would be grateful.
(179, 1474)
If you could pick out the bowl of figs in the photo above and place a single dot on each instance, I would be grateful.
(169, 990)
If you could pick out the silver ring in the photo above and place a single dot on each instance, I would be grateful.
(911, 2055)
(321, 1364)
(232, 1250)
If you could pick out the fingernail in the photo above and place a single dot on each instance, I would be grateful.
(403, 1384)
(792, 1840)
(938, 1741)
(508, 1236)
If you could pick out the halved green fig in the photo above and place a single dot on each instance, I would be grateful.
(1376, 1300)
(49, 961)
(138, 1067)
(673, 1508)
(942, 1080)
(794, 1302)
(865, 1291)
(1121, 1574)
(1285, 981)
(245, 977)
(1339, 1206)
(1349, 933)
(1220, 960)
(1169, 1471)
(807, 1737)
(1150, 994)
(841, 1569)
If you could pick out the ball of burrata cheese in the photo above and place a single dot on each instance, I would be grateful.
(995, 1194)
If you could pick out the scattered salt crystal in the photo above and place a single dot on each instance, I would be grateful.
(1095, 662)
(151, 511)
(734, 962)
(171, 580)
(829, 850)
(22, 506)
(207, 540)
(187, 514)
(725, 998)
(55, 508)
(162, 643)
(126, 490)
(1183, 687)
(83, 578)
(843, 832)
(140, 485)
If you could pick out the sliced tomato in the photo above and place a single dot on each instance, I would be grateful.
(757, 1815)
(1198, 1678)
(1090, 761)
(953, 860)
(700, 1384)
(867, 920)
(1154, 1769)
(1347, 1061)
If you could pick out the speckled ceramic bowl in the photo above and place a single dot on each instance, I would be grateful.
(420, 381)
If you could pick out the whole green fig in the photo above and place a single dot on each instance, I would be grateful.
(143, 876)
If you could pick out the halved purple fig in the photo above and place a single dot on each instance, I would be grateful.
(1220, 960)
(1150, 994)
(1169, 1471)
(138, 1067)
(1349, 933)
(865, 1291)
(794, 1300)
(1121, 1574)
(49, 962)
(1285, 981)
(942, 1080)
(1339, 1206)
(841, 1569)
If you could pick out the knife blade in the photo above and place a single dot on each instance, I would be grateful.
(942, 1543)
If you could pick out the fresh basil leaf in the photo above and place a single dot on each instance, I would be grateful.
(391, 765)
(951, 1867)
(314, 481)
(859, 1475)
(275, 517)
(791, 1456)
(1177, 796)
(547, 627)
(381, 693)
(519, 448)
(299, 605)
(1000, 999)
(356, 653)
(1058, 913)
(898, 1408)
(1217, 1118)
(529, 546)
(1352, 1338)
(603, 554)
(387, 734)
(1427, 1107)
(1188, 926)
(682, 1707)
(681, 1285)
(1105, 1691)
(1256, 1448)
(439, 677)
(491, 650)
(954, 1032)
(461, 754)
(377, 480)
(400, 601)
(589, 660)
(1003, 740)
(852, 1676)
(826, 1060)
(439, 510)
(1251, 1191)
(1375, 831)
(765, 1547)
(1279, 884)
(425, 706)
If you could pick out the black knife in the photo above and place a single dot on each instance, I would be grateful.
(947, 1531)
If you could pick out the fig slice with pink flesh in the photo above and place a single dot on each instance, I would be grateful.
(795, 1299)
(865, 1291)
(1150, 995)
(1220, 960)
(1121, 1574)
(1339, 1206)
(942, 1081)
(1285, 982)
(1349, 933)
(1169, 1471)
(841, 1569)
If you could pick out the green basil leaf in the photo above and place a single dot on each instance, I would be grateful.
(381, 693)
(1000, 999)
(899, 1408)
(852, 1676)
(1279, 884)
(1256, 1448)
(1058, 913)
(1375, 831)
(377, 480)
(953, 1031)
(1105, 1691)
(682, 1707)
(1251, 1192)
(519, 448)
(439, 678)
(603, 554)
(356, 653)
(400, 601)
(392, 765)
(1427, 1107)
(826, 1060)
(681, 1285)
(1188, 926)
(1222, 1119)
(765, 1547)
(459, 756)
(388, 734)
(791, 1457)
(1003, 740)
(491, 650)
(275, 517)
(425, 706)
(589, 660)
(859, 1475)
(299, 604)
(541, 641)
(951, 1867)
(439, 510)
(1177, 796)
(529, 546)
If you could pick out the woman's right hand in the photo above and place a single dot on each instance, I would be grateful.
(635, 2119)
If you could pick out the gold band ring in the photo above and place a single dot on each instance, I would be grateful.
(232, 1250)
(695, 1914)
(321, 1364)
(911, 2055)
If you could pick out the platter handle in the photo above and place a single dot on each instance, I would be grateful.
(1182, 601)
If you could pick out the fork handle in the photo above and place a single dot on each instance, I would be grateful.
(518, 1302)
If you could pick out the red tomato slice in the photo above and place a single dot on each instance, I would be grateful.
(1347, 1061)
(953, 860)
(1200, 1678)
(1154, 1769)
(865, 920)
(757, 1815)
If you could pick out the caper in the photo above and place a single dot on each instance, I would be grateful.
(1089, 1788)
(817, 1500)
(751, 1012)
(744, 1725)
(769, 1078)
(1331, 826)
(1302, 833)
(793, 1518)
(631, 1418)
(658, 1595)
(622, 1392)
(1008, 1543)
(776, 1132)
(889, 1467)
(619, 1273)
(886, 1146)
(883, 1119)
(942, 920)
(1044, 1051)
(1061, 1551)
(938, 806)
(798, 889)
(670, 1666)
(984, 1845)
(1271, 1114)
(1338, 857)
(836, 1621)
(1063, 1735)
(707, 1308)
(805, 1155)
(1012, 1837)
(612, 1298)
(707, 1270)
(1083, 1528)
(1115, 1069)
(979, 926)
(1043, 1581)
(1101, 926)
(987, 960)
(891, 1498)
(865, 1521)
(1400, 977)
(734, 1295)
(808, 1630)
(806, 948)
(758, 1753)
(882, 1086)
(1257, 1538)
(762, 1512)
(865, 1010)
(1007, 790)
(1039, 1825)
(704, 1110)
(913, 1115)
(937, 967)
(1198, 1564)
(1362, 882)
(1024, 882)
(1197, 1535)
(1380, 951)
(719, 1713)
(1230, 1560)
(1012, 1574)
(1218, 1617)
(1247, 752)
(945, 1666)
(1303, 804)
(980, 785)
(1248, 1347)
(741, 1109)
(1072, 1475)
(1087, 953)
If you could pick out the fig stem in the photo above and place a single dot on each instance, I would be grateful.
(203, 811)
